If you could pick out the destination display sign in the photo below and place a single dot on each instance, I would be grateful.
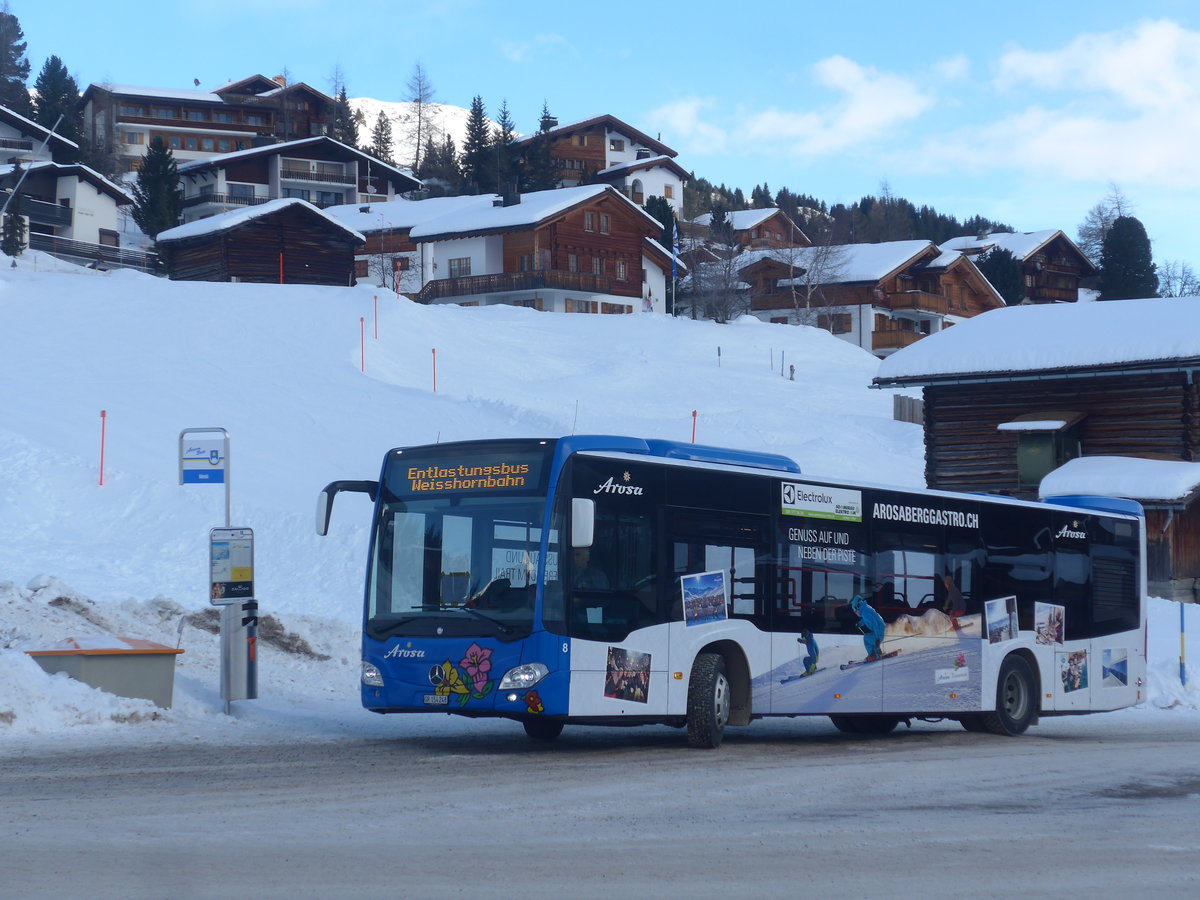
(500, 472)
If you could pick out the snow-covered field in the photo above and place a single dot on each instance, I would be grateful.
(279, 367)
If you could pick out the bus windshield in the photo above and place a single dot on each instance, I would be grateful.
(457, 544)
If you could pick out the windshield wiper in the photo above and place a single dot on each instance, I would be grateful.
(500, 626)
(391, 628)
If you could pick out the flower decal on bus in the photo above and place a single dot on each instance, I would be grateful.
(477, 663)
(468, 680)
(533, 703)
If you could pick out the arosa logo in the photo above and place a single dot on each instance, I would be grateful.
(611, 487)
(1071, 531)
(399, 652)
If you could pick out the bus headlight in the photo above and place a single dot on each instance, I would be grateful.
(523, 676)
(371, 675)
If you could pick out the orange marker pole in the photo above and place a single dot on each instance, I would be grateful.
(693, 426)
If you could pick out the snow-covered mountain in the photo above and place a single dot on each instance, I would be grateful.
(444, 119)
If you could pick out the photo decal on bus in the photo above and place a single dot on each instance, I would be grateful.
(705, 597)
(1073, 670)
(1114, 668)
(1049, 623)
(1001, 619)
(627, 676)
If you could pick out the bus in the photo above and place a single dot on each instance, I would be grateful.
(597, 579)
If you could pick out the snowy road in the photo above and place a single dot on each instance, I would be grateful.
(1101, 805)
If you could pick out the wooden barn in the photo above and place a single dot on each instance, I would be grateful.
(1014, 394)
(286, 241)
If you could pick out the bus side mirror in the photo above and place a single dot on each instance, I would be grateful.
(325, 499)
(583, 521)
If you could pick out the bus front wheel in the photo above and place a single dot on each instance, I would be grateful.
(708, 701)
(1015, 698)
(543, 729)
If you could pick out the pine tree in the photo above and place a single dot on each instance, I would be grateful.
(13, 240)
(539, 174)
(381, 139)
(157, 199)
(58, 95)
(1127, 269)
(342, 125)
(1003, 271)
(14, 67)
(476, 158)
(504, 149)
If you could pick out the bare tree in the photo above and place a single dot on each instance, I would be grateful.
(1176, 279)
(418, 121)
(1095, 225)
(816, 269)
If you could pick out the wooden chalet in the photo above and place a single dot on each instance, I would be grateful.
(879, 296)
(753, 229)
(580, 249)
(1012, 395)
(1051, 264)
(286, 241)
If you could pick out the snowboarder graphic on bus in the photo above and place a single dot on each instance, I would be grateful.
(814, 654)
(870, 623)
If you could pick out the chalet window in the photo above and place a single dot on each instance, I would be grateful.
(226, 117)
(523, 262)
(174, 142)
(223, 145)
(580, 140)
(668, 191)
(195, 115)
(597, 265)
(133, 111)
(360, 268)
(109, 238)
(615, 309)
(134, 138)
(582, 306)
(589, 221)
(621, 270)
(162, 113)
(240, 191)
(253, 119)
(207, 144)
(572, 262)
(402, 263)
(191, 143)
(299, 193)
(460, 267)
(329, 168)
(1028, 279)
(616, 145)
(605, 224)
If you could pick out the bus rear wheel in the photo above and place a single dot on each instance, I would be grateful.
(708, 702)
(543, 729)
(1015, 698)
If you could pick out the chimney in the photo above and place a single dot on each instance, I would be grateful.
(511, 195)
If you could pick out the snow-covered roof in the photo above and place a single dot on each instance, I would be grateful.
(393, 214)
(648, 162)
(1124, 476)
(87, 173)
(19, 121)
(226, 221)
(611, 123)
(847, 263)
(188, 94)
(739, 219)
(1048, 337)
(532, 209)
(1021, 244)
(222, 159)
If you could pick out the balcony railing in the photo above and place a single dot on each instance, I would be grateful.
(323, 178)
(16, 144)
(94, 254)
(515, 281)
(42, 212)
(227, 199)
(919, 301)
(894, 340)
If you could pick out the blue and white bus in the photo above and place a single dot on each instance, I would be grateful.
(613, 580)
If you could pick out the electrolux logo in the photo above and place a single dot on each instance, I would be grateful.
(611, 487)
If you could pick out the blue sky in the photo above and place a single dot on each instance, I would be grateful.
(1024, 112)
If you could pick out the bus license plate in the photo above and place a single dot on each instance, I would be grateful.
(437, 699)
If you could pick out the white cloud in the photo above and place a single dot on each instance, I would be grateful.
(956, 68)
(872, 103)
(525, 51)
(685, 122)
